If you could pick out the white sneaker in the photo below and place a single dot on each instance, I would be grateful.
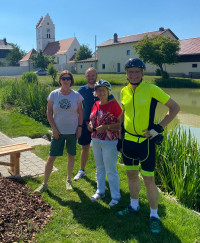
(42, 188)
(113, 202)
(69, 185)
(97, 197)
(79, 175)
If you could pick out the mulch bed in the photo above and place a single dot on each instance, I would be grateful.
(23, 213)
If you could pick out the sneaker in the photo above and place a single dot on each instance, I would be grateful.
(155, 225)
(79, 175)
(69, 185)
(97, 197)
(42, 188)
(128, 210)
(113, 202)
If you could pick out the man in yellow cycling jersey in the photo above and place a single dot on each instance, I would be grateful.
(139, 100)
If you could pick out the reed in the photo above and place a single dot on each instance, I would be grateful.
(29, 99)
(178, 167)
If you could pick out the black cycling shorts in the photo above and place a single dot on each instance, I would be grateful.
(144, 152)
(85, 137)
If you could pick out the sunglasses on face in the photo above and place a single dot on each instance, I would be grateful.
(66, 78)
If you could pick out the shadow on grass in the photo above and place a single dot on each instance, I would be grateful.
(97, 215)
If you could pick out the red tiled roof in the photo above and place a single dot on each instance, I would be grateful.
(58, 47)
(28, 55)
(39, 23)
(190, 46)
(134, 38)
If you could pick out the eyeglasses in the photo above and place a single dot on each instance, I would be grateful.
(66, 78)
(133, 72)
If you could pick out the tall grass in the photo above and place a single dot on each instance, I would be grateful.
(29, 99)
(178, 167)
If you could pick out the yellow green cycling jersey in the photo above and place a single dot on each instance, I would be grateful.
(139, 107)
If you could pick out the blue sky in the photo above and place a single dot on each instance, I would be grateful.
(87, 18)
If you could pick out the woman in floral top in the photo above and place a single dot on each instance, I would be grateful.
(104, 125)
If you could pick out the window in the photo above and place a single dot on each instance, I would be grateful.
(103, 66)
(128, 52)
(47, 23)
(81, 66)
(75, 49)
(194, 65)
(91, 65)
(57, 59)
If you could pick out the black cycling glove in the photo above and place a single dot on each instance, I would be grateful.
(155, 134)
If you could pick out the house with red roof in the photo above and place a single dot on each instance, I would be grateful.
(189, 59)
(64, 50)
(113, 53)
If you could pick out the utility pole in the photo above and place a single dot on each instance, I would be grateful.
(95, 54)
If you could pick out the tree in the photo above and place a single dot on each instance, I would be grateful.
(83, 53)
(2, 64)
(52, 70)
(15, 55)
(158, 50)
(40, 60)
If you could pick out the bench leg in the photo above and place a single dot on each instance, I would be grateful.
(15, 167)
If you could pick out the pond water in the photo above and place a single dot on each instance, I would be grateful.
(189, 102)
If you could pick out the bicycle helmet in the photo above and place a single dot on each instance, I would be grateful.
(135, 62)
(102, 83)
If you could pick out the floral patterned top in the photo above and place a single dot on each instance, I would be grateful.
(105, 115)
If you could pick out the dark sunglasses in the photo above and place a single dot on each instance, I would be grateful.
(66, 78)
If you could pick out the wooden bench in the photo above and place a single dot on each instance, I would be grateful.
(14, 152)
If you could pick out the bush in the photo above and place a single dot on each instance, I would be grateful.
(177, 83)
(165, 74)
(30, 77)
(158, 72)
(52, 70)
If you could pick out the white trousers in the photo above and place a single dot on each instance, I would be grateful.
(106, 155)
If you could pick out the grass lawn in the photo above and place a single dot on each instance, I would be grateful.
(15, 124)
(77, 219)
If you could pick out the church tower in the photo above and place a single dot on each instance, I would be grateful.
(45, 32)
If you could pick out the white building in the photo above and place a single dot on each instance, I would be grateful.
(113, 53)
(64, 50)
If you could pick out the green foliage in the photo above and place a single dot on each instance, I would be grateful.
(52, 70)
(177, 83)
(29, 99)
(2, 64)
(29, 77)
(83, 53)
(165, 75)
(40, 60)
(158, 50)
(15, 55)
(158, 72)
(178, 170)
